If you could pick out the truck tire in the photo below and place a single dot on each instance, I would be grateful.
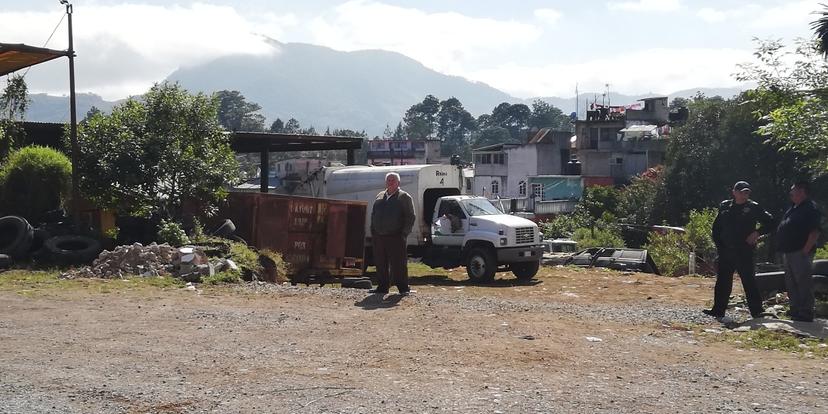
(525, 270)
(481, 265)
(15, 236)
(72, 249)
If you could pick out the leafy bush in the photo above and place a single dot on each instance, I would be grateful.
(33, 181)
(670, 252)
(822, 253)
(597, 237)
(699, 235)
(564, 225)
(172, 233)
(222, 278)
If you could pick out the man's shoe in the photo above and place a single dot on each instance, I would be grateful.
(380, 291)
(711, 312)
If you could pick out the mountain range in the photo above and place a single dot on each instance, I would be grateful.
(321, 87)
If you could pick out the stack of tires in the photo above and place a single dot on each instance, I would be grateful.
(20, 241)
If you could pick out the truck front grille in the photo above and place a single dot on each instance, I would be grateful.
(525, 235)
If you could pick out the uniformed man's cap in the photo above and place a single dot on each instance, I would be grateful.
(741, 186)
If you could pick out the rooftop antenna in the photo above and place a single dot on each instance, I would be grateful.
(576, 101)
(608, 95)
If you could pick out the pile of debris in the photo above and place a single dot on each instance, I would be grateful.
(188, 263)
(135, 259)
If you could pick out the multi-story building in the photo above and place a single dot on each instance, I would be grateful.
(503, 169)
(404, 152)
(616, 143)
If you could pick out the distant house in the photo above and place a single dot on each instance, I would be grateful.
(504, 169)
(404, 152)
(615, 143)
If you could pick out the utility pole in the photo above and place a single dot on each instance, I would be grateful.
(73, 121)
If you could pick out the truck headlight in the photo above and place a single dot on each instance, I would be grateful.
(503, 241)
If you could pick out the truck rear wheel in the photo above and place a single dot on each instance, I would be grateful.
(525, 270)
(481, 265)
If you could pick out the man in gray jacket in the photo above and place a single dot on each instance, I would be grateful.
(392, 218)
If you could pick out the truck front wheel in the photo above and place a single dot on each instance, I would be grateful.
(481, 265)
(525, 270)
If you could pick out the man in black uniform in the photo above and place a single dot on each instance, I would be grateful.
(735, 235)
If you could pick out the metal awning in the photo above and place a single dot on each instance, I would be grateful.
(14, 57)
(242, 142)
(266, 142)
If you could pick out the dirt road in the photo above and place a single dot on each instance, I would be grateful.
(572, 341)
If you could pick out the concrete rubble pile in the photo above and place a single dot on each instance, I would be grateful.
(188, 263)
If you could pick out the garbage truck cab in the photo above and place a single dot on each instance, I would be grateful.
(450, 229)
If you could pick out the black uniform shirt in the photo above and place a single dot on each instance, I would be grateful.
(798, 222)
(735, 222)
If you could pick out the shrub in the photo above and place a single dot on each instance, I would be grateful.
(222, 278)
(564, 225)
(172, 233)
(34, 180)
(597, 237)
(822, 253)
(670, 252)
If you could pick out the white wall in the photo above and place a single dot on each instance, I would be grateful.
(523, 162)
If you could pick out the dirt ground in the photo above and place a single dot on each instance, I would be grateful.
(571, 341)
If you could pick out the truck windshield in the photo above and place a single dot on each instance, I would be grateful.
(480, 207)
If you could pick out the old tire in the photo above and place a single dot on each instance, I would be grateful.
(226, 229)
(72, 249)
(15, 236)
(820, 267)
(525, 270)
(5, 261)
(481, 265)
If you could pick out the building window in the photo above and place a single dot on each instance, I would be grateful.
(500, 158)
(495, 187)
(522, 188)
(468, 184)
(537, 191)
(486, 159)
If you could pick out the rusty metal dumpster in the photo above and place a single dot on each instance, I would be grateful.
(318, 237)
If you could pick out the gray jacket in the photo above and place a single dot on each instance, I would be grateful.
(393, 215)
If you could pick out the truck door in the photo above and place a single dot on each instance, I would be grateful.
(449, 224)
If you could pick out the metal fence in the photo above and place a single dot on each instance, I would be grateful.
(539, 207)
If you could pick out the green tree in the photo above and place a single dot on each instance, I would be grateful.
(490, 136)
(637, 201)
(148, 156)
(454, 126)
(545, 115)
(421, 119)
(820, 28)
(13, 105)
(792, 97)
(292, 126)
(277, 126)
(514, 118)
(235, 113)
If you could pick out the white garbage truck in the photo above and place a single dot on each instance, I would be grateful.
(451, 229)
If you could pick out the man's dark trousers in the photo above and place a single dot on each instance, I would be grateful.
(391, 259)
(740, 260)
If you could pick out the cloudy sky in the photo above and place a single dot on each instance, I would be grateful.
(526, 48)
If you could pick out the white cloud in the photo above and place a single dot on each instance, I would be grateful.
(653, 70)
(442, 41)
(549, 16)
(787, 14)
(646, 5)
(124, 49)
(712, 15)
